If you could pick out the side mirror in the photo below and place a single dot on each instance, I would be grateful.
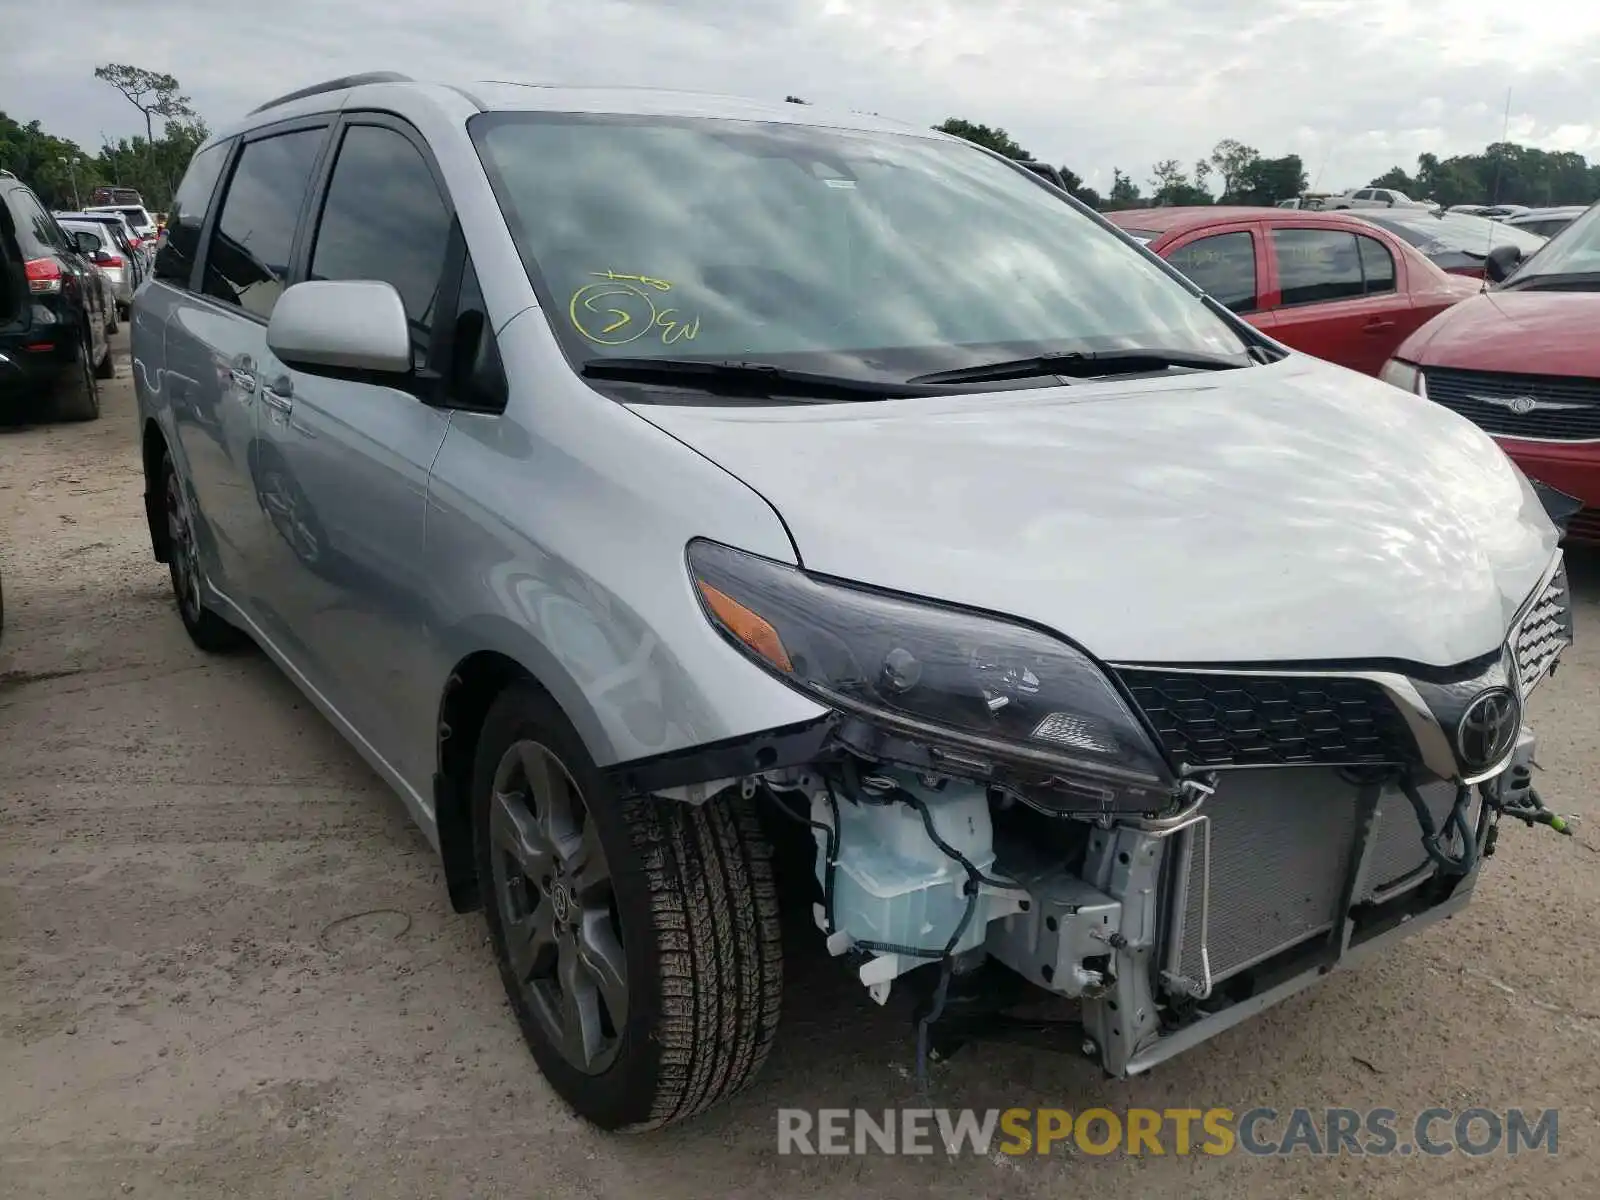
(1502, 261)
(342, 327)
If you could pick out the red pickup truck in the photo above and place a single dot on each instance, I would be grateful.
(1522, 361)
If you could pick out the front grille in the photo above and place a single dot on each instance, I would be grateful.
(1280, 850)
(1510, 405)
(1545, 631)
(1245, 720)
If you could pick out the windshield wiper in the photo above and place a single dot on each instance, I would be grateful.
(750, 378)
(1082, 364)
(1562, 281)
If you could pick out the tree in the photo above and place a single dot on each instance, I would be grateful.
(1124, 191)
(996, 139)
(1232, 159)
(1397, 179)
(1172, 187)
(153, 94)
(1075, 185)
(50, 165)
(1202, 177)
(1268, 180)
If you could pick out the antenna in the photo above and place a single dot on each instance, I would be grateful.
(1494, 193)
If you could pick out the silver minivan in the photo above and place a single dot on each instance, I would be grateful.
(678, 500)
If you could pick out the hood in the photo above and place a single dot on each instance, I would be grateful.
(1272, 514)
(1506, 331)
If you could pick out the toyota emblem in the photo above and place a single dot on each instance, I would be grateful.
(1488, 729)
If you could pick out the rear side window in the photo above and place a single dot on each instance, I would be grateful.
(247, 262)
(385, 219)
(1377, 265)
(1223, 265)
(83, 232)
(175, 261)
(36, 229)
(1317, 265)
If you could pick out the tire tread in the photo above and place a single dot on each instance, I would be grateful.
(714, 904)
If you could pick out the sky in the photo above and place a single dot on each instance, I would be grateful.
(1352, 86)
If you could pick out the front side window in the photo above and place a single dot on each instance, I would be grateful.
(385, 219)
(1224, 265)
(248, 260)
(870, 255)
(1317, 265)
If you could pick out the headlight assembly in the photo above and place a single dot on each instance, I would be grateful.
(1403, 375)
(989, 687)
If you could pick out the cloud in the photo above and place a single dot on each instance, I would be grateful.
(1352, 87)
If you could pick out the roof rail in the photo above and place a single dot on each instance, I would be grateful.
(334, 85)
(7, 174)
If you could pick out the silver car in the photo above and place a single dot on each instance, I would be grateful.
(641, 481)
(111, 261)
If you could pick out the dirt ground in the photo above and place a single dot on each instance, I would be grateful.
(228, 968)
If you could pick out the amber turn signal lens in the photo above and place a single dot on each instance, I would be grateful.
(748, 627)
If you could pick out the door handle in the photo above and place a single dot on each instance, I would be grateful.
(243, 380)
(1377, 326)
(277, 400)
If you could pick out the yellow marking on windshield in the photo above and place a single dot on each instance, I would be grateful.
(601, 311)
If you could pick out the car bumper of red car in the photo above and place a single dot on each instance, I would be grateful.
(1570, 467)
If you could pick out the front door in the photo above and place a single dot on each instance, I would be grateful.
(1226, 262)
(344, 465)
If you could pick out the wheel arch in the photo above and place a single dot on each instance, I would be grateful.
(500, 658)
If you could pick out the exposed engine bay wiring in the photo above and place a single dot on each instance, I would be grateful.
(945, 956)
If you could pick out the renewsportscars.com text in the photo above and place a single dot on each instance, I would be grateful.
(1325, 1132)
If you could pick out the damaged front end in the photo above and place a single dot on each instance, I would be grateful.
(1174, 848)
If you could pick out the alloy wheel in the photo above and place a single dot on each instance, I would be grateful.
(183, 550)
(557, 910)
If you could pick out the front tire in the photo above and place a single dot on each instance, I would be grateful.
(638, 940)
(205, 628)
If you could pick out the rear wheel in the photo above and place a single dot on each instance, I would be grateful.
(638, 940)
(77, 395)
(205, 628)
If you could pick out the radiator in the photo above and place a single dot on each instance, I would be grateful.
(1280, 846)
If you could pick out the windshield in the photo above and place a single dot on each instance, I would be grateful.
(865, 255)
(1573, 251)
(1455, 233)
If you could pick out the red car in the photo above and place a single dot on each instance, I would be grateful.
(1329, 284)
(1522, 361)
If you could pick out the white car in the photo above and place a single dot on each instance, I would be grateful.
(139, 221)
(1546, 222)
(1370, 197)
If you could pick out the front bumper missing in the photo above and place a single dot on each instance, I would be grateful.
(1181, 929)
